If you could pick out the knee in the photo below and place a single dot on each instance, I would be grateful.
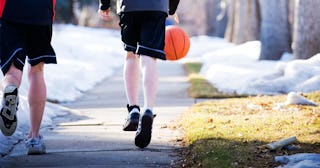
(13, 71)
(36, 68)
(131, 56)
(146, 60)
(12, 76)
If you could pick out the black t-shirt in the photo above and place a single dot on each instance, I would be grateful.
(35, 12)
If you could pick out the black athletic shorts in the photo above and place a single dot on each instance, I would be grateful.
(18, 41)
(143, 32)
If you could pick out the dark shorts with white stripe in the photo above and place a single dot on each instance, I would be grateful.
(144, 32)
(18, 41)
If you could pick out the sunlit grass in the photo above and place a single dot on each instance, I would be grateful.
(228, 132)
(233, 132)
(200, 87)
(193, 67)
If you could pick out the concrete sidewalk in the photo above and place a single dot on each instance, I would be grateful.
(91, 135)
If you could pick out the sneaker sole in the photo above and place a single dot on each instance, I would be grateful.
(7, 131)
(143, 139)
(8, 123)
(133, 124)
(36, 151)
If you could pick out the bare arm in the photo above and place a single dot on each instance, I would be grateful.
(104, 10)
(173, 5)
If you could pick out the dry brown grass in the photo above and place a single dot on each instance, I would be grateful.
(233, 132)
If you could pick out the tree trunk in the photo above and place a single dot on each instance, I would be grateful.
(243, 21)
(231, 19)
(253, 21)
(275, 29)
(240, 21)
(221, 18)
(210, 10)
(193, 16)
(306, 29)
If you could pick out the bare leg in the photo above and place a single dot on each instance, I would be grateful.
(150, 83)
(10, 101)
(150, 80)
(131, 75)
(12, 77)
(36, 98)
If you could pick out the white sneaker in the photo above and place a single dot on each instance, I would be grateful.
(35, 146)
(8, 118)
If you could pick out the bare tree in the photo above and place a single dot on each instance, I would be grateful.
(221, 18)
(243, 21)
(197, 18)
(231, 20)
(306, 29)
(216, 18)
(210, 9)
(275, 29)
(254, 20)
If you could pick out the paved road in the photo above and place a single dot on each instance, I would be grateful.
(91, 135)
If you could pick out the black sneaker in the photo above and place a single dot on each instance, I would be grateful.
(143, 135)
(132, 120)
(8, 118)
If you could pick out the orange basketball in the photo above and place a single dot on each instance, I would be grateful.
(177, 43)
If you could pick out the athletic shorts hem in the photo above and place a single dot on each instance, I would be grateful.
(143, 32)
(151, 53)
(47, 59)
(130, 48)
(19, 41)
(16, 59)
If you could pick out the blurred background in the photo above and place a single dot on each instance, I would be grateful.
(290, 26)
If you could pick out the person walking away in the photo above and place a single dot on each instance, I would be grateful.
(25, 33)
(142, 25)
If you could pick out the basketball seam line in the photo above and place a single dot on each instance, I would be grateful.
(184, 42)
(174, 48)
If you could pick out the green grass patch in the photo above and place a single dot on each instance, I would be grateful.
(200, 87)
(193, 67)
(232, 132)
